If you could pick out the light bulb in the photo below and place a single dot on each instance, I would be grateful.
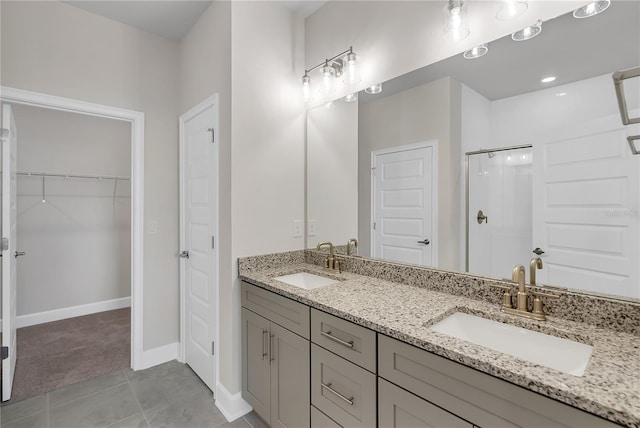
(528, 33)
(374, 89)
(508, 9)
(455, 24)
(352, 74)
(351, 98)
(327, 78)
(306, 87)
(476, 52)
(592, 9)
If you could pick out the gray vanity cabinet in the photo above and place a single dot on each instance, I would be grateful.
(275, 361)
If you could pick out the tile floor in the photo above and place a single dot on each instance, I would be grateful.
(168, 395)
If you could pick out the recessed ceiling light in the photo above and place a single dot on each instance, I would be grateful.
(351, 98)
(508, 9)
(476, 52)
(548, 79)
(528, 32)
(591, 9)
(374, 89)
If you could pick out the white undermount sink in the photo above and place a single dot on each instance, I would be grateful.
(550, 351)
(306, 280)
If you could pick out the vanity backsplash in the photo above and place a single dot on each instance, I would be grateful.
(613, 314)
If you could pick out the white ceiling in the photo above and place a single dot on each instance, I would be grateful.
(171, 19)
(568, 48)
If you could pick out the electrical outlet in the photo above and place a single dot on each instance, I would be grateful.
(297, 228)
(312, 227)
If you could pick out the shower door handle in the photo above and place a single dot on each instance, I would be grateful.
(425, 242)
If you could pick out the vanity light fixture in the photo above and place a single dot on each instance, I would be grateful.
(374, 89)
(528, 32)
(508, 9)
(455, 20)
(591, 9)
(332, 68)
(548, 79)
(476, 52)
(351, 98)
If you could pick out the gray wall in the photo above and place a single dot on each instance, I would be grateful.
(58, 49)
(78, 243)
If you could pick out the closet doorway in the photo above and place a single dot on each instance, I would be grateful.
(79, 200)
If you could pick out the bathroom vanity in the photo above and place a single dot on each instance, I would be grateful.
(361, 352)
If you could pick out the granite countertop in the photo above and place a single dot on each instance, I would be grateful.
(609, 388)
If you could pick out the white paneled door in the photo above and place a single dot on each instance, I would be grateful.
(403, 209)
(585, 208)
(199, 261)
(9, 251)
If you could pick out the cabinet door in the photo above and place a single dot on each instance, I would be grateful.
(255, 363)
(398, 408)
(290, 378)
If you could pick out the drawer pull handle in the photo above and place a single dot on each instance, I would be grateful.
(264, 352)
(328, 335)
(337, 394)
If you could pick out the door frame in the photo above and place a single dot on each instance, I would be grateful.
(211, 101)
(136, 119)
(434, 191)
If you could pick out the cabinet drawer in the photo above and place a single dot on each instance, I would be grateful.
(342, 390)
(289, 314)
(474, 396)
(320, 420)
(351, 341)
(399, 408)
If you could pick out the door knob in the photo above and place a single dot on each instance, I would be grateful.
(425, 242)
(538, 251)
(19, 253)
(481, 217)
(184, 255)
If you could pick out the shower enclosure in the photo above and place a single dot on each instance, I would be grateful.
(499, 210)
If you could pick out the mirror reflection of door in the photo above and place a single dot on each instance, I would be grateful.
(403, 204)
(500, 185)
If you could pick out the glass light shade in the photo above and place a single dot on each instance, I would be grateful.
(591, 9)
(374, 89)
(351, 98)
(352, 71)
(327, 79)
(306, 87)
(476, 52)
(455, 20)
(528, 32)
(508, 9)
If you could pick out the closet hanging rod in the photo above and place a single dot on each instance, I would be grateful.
(87, 177)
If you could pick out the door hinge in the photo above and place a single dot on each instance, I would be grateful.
(213, 348)
(213, 131)
(4, 353)
(373, 170)
(5, 132)
(374, 225)
(213, 242)
(5, 244)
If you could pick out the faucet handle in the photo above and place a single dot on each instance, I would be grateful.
(506, 297)
(538, 307)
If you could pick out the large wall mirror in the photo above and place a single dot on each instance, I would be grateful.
(477, 165)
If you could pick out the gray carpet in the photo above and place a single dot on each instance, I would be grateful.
(61, 353)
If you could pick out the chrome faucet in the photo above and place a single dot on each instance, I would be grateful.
(354, 242)
(330, 261)
(536, 262)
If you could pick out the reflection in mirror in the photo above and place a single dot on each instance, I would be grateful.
(476, 165)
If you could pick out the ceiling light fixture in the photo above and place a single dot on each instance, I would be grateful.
(548, 79)
(351, 98)
(455, 20)
(476, 52)
(508, 9)
(591, 9)
(344, 63)
(374, 89)
(528, 32)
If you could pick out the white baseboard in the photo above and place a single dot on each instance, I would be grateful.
(231, 405)
(70, 312)
(159, 355)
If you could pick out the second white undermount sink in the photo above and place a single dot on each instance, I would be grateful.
(306, 280)
(550, 351)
